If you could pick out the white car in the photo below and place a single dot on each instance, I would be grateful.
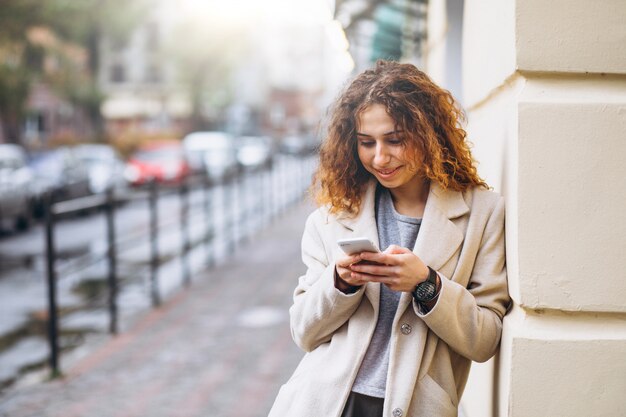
(15, 187)
(213, 153)
(105, 167)
(254, 151)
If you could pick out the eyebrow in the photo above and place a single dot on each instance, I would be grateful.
(384, 134)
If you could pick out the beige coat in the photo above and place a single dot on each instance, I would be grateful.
(461, 237)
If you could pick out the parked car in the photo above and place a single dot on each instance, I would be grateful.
(16, 196)
(163, 162)
(254, 151)
(299, 144)
(105, 167)
(61, 173)
(213, 153)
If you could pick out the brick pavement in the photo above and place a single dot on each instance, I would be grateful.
(220, 348)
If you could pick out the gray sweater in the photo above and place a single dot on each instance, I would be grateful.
(393, 229)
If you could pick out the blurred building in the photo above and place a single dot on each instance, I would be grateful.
(53, 120)
(282, 77)
(53, 114)
(139, 80)
(294, 68)
(543, 84)
(280, 68)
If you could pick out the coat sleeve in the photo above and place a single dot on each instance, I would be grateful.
(469, 319)
(318, 309)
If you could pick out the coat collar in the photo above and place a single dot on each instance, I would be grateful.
(438, 238)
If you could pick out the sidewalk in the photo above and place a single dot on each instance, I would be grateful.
(218, 349)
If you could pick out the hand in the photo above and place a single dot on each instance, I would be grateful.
(398, 268)
(343, 271)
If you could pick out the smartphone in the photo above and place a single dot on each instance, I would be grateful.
(357, 245)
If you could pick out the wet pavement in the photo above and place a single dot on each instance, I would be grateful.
(221, 347)
(220, 219)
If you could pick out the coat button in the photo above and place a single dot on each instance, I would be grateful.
(397, 412)
(406, 328)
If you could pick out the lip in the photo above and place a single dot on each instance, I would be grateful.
(387, 173)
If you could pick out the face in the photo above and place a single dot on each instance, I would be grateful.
(382, 150)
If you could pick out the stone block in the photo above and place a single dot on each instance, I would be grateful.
(571, 36)
(571, 195)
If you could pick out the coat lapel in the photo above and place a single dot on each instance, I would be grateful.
(439, 238)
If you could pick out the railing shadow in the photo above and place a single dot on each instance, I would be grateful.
(250, 199)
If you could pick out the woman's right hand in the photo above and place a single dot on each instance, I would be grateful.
(344, 280)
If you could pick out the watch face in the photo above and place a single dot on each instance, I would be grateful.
(425, 290)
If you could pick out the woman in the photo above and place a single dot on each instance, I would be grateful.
(394, 333)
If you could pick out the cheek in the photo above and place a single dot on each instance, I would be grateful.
(400, 155)
(363, 155)
(412, 160)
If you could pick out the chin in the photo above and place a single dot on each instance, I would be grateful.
(388, 184)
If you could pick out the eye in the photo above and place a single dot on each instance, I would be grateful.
(395, 141)
(366, 143)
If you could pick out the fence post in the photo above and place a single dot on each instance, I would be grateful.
(112, 256)
(267, 189)
(239, 207)
(233, 212)
(246, 218)
(286, 184)
(280, 187)
(53, 324)
(184, 231)
(302, 169)
(208, 217)
(270, 189)
(273, 194)
(154, 244)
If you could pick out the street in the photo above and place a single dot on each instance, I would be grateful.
(82, 270)
(220, 348)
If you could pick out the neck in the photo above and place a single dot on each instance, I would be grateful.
(410, 199)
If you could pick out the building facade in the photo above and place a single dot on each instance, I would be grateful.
(142, 89)
(544, 86)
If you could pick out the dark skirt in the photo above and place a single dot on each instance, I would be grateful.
(359, 405)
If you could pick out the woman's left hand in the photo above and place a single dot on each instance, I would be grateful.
(397, 267)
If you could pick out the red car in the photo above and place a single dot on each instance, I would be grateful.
(163, 161)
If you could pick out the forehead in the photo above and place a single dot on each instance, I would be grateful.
(374, 119)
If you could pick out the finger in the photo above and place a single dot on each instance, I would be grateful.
(395, 249)
(365, 262)
(362, 277)
(344, 273)
(374, 269)
(358, 280)
(380, 257)
(353, 278)
(347, 261)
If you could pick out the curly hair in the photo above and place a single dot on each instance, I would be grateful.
(433, 136)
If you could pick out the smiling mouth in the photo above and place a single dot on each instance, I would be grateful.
(387, 172)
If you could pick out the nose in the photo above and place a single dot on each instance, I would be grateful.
(381, 157)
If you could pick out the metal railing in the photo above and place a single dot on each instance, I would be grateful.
(253, 198)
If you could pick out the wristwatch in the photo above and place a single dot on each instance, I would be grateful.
(426, 291)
